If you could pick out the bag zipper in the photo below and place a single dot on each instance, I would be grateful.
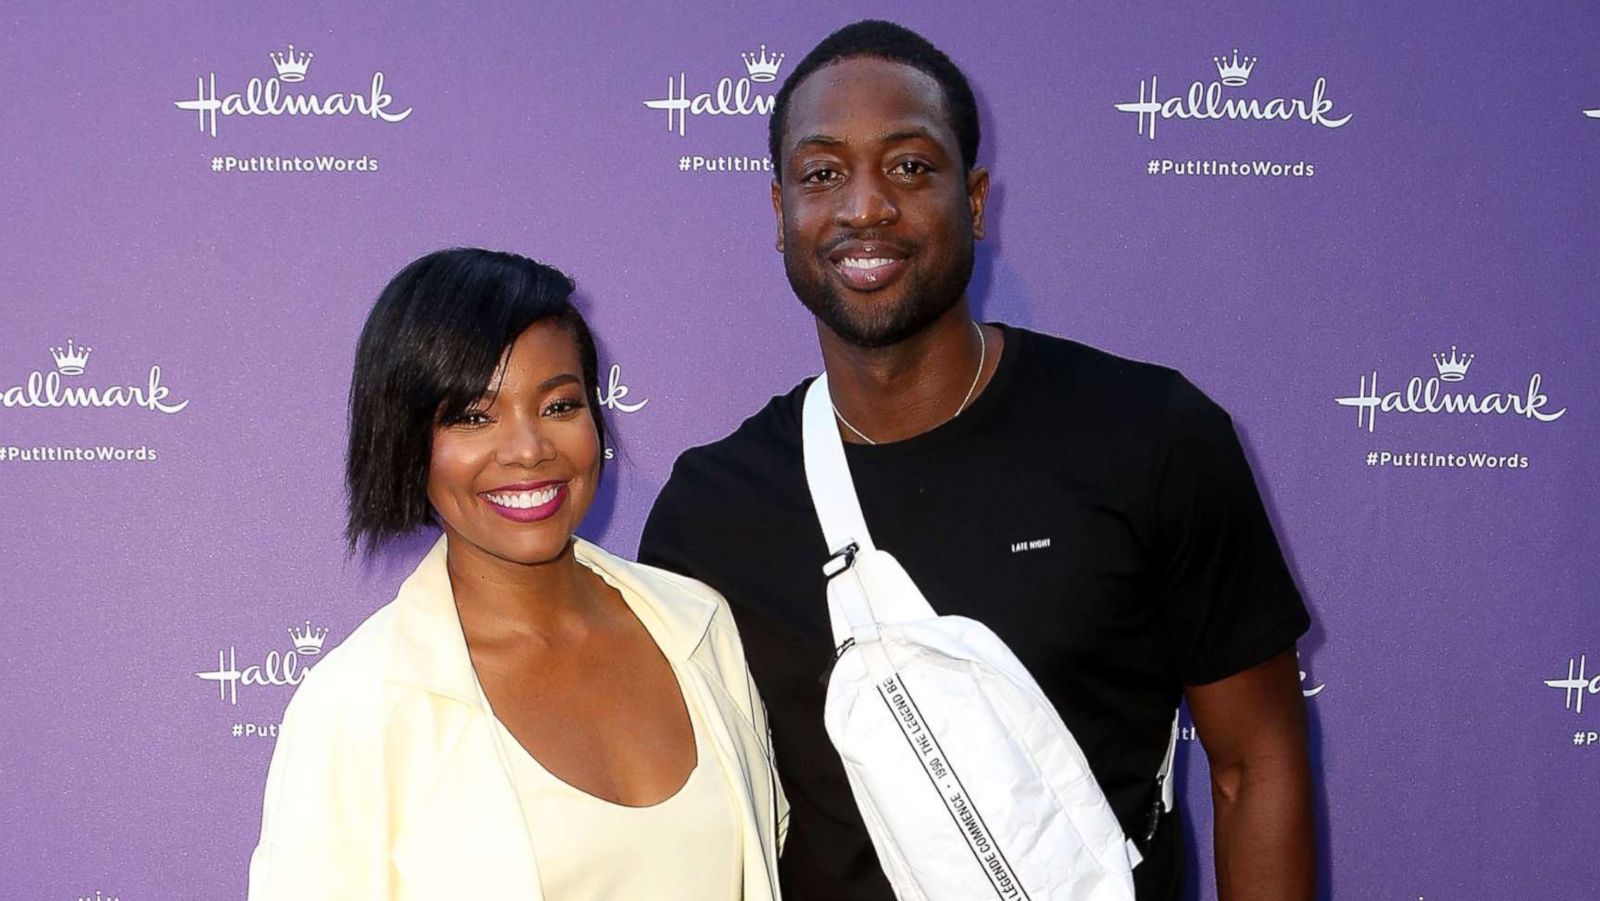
(827, 674)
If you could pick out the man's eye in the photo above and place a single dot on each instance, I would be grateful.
(820, 176)
(912, 167)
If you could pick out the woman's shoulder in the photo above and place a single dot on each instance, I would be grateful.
(690, 607)
(596, 557)
(348, 679)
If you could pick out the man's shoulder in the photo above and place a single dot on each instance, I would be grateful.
(766, 442)
(721, 494)
(1068, 358)
(1115, 390)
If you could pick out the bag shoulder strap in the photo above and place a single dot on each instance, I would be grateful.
(1164, 775)
(833, 492)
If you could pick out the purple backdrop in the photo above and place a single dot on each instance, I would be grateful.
(1418, 204)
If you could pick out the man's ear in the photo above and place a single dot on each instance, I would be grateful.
(977, 196)
(777, 212)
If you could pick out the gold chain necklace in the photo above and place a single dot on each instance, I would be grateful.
(983, 347)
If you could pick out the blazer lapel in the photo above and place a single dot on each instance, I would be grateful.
(745, 768)
(680, 622)
(464, 835)
(462, 832)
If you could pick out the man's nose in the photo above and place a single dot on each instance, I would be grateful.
(867, 201)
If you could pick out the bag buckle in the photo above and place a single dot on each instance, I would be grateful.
(842, 560)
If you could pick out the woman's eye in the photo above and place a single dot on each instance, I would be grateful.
(465, 420)
(563, 406)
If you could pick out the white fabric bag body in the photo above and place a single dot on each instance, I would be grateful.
(970, 784)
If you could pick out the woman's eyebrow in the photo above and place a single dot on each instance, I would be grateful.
(562, 379)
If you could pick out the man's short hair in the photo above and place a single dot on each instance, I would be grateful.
(877, 39)
(431, 344)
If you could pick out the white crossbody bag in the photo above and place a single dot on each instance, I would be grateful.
(970, 784)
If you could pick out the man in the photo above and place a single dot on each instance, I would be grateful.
(1096, 513)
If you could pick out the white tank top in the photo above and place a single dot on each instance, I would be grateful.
(685, 848)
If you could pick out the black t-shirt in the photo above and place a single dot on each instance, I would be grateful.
(1097, 513)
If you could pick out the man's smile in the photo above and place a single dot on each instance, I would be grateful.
(867, 265)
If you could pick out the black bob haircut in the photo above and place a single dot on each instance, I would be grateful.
(431, 344)
(877, 39)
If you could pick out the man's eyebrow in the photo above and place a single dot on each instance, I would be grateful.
(906, 134)
(893, 137)
(827, 140)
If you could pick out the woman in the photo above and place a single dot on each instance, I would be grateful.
(530, 717)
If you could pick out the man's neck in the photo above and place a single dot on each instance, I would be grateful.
(901, 390)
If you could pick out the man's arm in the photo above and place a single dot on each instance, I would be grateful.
(1253, 728)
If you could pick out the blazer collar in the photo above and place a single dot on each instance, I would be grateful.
(677, 616)
(430, 652)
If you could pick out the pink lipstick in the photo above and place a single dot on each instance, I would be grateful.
(526, 501)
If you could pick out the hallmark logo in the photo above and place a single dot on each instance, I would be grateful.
(1205, 100)
(308, 641)
(1575, 685)
(265, 97)
(277, 668)
(1592, 113)
(612, 397)
(1305, 692)
(46, 389)
(1311, 692)
(1234, 73)
(71, 360)
(1453, 368)
(1428, 395)
(98, 896)
(291, 66)
(732, 96)
(762, 69)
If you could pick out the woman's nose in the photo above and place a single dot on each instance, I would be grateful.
(525, 444)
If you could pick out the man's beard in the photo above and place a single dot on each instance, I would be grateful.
(924, 297)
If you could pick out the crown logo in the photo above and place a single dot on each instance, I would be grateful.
(308, 641)
(71, 359)
(291, 66)
(762, 68)
(1235, 72)
(1454, 367)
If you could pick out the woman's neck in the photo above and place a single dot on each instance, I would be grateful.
(497, 597)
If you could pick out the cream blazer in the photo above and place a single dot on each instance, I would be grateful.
(388, 780)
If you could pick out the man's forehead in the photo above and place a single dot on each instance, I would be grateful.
(867, 97)
(890, 133)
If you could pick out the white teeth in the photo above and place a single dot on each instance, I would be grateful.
(523, 500)
(872, 263)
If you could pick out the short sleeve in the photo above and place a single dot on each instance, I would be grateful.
(667, 531)
(1228, 600)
